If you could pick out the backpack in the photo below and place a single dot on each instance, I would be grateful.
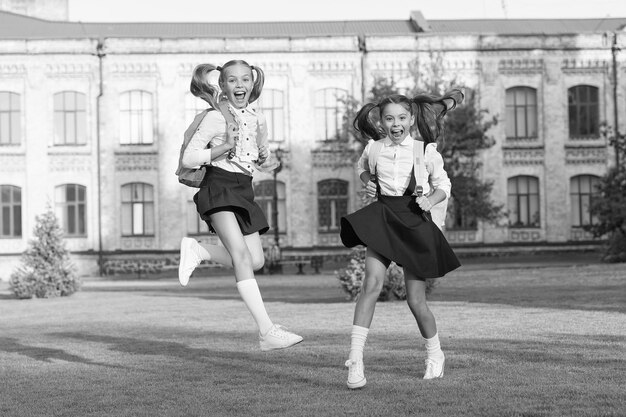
(192, 177)
(438, 212)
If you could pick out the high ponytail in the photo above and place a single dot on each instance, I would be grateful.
(258, 83)
(364, 124)
(200, 86)
(430, 111)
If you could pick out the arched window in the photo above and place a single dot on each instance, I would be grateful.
(136, 126)
(137, 209)
(70, 118)
(264, 196)
(329, 112)
(10, 128)
(71, 208)
(523, 201)
(332, 204)
(583, 189)
(521, 113)
(10, 211)
(584, 111)
(195, 224)
(272, 105)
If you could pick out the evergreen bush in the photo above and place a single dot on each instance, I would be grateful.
(45, 270)
(351, 279)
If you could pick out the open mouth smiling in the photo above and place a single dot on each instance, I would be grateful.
(396, 132)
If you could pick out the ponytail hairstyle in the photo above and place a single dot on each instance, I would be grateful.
(367, 126)
(430, 111)
(259, 80)
(200, 86)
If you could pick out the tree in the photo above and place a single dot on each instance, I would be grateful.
(45, 270)
(609, 206)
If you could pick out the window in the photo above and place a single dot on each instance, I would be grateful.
(193, 106)
(272, 106)
(11, 211)
(523, 201)
(458, 217)
(332, 202)
(10, 129)
(70, 118)
(264, 196)
(329, 112)
(71, 208)
(195, 224)
(583, 189)
(137, 210)
(521, 113)
(584, 111)
(136, 118)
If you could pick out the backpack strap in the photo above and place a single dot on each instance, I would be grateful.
(419, 164)
(188, 135)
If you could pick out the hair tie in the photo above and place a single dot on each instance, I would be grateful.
(252, 67)
(218, 68)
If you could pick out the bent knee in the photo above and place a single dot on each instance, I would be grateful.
(417, 304)
(373, 285)
(258, 263)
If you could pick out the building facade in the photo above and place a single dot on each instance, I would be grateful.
(92, 116)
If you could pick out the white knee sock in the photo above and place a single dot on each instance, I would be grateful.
(249, 291)
(357, 342)
(433, 348)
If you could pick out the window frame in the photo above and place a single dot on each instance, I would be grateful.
(325, 113)
(138, 121)
(330, 202)
(14, 210)
(274, 114)
(593, 182)
(77, 115)
(524, 202)
(13, 116)
(529, 113)
(266, 202)
(64, 209)
(148, 224)
(591, 110)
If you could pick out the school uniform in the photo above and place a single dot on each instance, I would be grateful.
(394, 225)
(227, 185)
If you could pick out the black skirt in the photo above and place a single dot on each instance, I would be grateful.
(394, 227)
(230, 191)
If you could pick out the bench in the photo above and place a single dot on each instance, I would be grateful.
(316, 262)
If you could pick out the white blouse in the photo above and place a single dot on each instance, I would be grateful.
(395, 164)
(212, 130)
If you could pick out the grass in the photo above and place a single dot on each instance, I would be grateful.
(530, 341)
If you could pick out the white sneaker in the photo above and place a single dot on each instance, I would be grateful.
(434, 369)
(189, 259)
(356, 374)
(278, 338)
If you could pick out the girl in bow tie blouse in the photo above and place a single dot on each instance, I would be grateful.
(226, 199)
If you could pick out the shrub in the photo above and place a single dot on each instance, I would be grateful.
(46, 270)
(351, 279)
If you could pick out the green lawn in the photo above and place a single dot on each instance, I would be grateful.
(546, 341)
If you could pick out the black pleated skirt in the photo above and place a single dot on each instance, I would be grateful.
(230, 191)
(395, 228)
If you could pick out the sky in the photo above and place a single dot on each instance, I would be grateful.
(315, 10)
